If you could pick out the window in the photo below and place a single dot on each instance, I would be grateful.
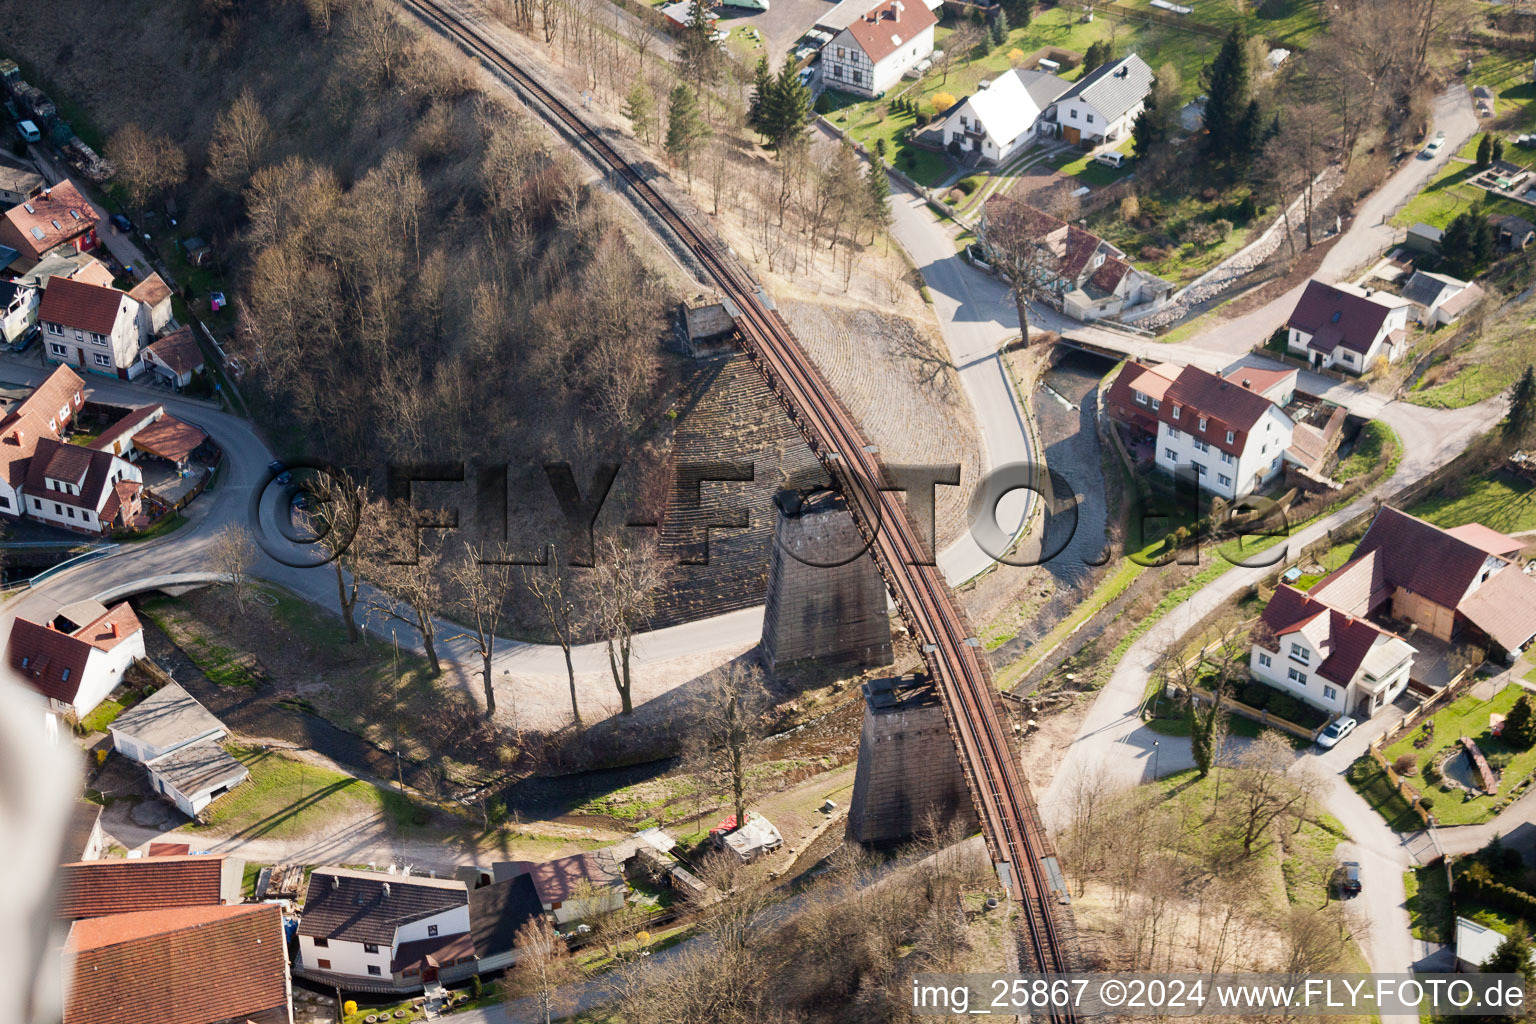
(1297, 676)
(1090, 118)
(1156, 405)
(322, 943)
(1199, 469)
(1330, 692)
(370, 947)
(1231, 437)
(5, 502)
(100, 339)
(1223, 479)
(70, 511)
(431, 930)
(1300, 653)
(324, 965)
(1173, 432)
(1170, 455)
(373, 969)
(1176, 410)
(57, 349)
(1203, 422)
(1201, 446)
(79, 334)
(840, 53)
(37, 506)
(56, 329)
(58, 509)
(1073, 112)
(64, 676)
(1226, 457)
(1265, 660)
(1141, 399)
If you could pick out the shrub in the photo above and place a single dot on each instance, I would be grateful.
(349, 1007)
(1498, 762)
(1427, 802)
(968, 185)
(923, 117)
(1406, 764)
(1285, 706)
(941, 101)
(1130, 208)
(475, 987)
(1256, 694)
(1015, 55)
(1208, 194)
(1152, 253)
(1223, 228)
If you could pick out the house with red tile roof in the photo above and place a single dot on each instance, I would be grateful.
(175, 357)
(1342, 327)
(43, 414)
(125, 885)
(92, 327)
(572, 888)
(1233, 438)
(1341, 663)
(872, 53)
(79, 488)
(150, 430)
(57, 218)
(154, 298)
(73, 671)
(193, 965)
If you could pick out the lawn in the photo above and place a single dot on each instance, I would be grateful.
(1430, 914)
(1372, 783)
(1377, 443)
(1110, 588)
(102, 716)
(169, 524)
(1485, 366)
(1466, 716)
(1509, 76)
(1448, 194)
(287, 798)
(1498, 500)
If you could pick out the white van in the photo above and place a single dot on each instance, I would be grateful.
(28, 130)
(1115, 160)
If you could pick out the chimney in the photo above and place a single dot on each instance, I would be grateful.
(52, 626)
(1247, 383)
(114, 631)
(386, 890)
(335, 882)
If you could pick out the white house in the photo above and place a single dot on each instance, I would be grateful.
(92, 327)
(81, 488)
(1347, 328)
(871, 54)
(75, 671)
(176, 739)
(1000, 120)
(176, 357)
(357, 923)
(1438, 299)
(1235, 438)
(43, 414)
(154, 298)
(18, 310)
(1102, 106)
(1327, 657)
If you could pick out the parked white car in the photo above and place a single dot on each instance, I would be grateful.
(1337, 730)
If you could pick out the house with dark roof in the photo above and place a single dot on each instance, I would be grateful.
(1438, 298)
(193, 965)
(1229, 433)
(572, 888)
(57, 218)
(1088, 276)
(1333, 660)
(81, 489)
(1342, 327)
(126, 885)
(356, 923)
(150, 430)
(82, 836)
(92, 327)
(176, 739)
(73, 672)
(1445, 582)
(878, 47)
(1102, 105)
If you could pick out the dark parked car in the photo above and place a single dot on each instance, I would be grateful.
(28, 336)
(122, 223)
(277, 468)
(1347, 879)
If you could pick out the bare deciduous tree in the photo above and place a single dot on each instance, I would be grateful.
(544, 967)
(1026, 245)
(147, 162)
(548, 584)
(241, 135)
(233, 556)
(1262, 792)
(481, 589)
(406, 575)
(728, 712)
(622, 593)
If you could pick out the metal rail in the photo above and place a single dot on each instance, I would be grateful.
(1015, 837)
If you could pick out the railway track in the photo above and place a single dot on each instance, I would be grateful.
(1010, 821)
